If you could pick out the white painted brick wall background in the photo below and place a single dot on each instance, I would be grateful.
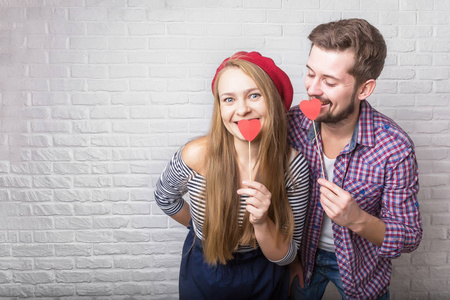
(97, 95)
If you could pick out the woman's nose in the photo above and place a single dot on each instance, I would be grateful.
(242, 107)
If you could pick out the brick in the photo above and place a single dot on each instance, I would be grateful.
(8, 290)
(54, 290)
(415, 87)
(153, 84)
(71, 141)
(201, 29)
(93, 182)
(106, 249)
(52, 182)
(15, 181)
(31, 195)
(135, 262)
(135, 154)
(429, 284)
(54, 237)
(130, 99)
(110, 141)
(429, 259)
(340, 5)
(149, 222)
(72, 222)
(72, 276)
(40, 42)
(147, 29)
(132, 289)
(86, 43)
(69, 28)
(93, 263)
(167, 43)
(107, 57)
(67, 85)
(88, 71)
(36, 277)
(107, 29)
(126, 71)
(52, 209)
(111, 276)
(73, 195)
(91, 127)
(109, 113)
(32, 168)
(48, 71)
(442, 86)
(146, 249)
(110, 195)
(32, 250)
(16, 264)
(87, 209)
(254, 30)
(132, 236)
(87, 14)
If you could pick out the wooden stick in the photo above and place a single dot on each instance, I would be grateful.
(318, 149)
(250, 161)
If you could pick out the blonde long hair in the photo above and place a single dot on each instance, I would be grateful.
(221, 230)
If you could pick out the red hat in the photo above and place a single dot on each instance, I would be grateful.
(278, 76)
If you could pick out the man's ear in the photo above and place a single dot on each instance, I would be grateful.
(366, 89)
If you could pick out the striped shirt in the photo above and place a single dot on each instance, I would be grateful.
(378, 168)
(177, 179)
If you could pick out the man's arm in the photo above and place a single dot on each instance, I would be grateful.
(398, 229)
(340, 207)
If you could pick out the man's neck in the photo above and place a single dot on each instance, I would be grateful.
(336, 136)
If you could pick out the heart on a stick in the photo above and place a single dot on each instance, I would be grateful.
(311, 108)
(249, 128)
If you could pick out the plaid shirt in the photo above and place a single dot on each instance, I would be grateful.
(379, 169)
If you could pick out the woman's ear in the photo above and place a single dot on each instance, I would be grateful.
(366, 89)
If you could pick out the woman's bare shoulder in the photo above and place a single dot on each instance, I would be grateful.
(293, 153)
(194, 154)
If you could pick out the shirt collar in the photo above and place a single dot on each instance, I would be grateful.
(363, 133)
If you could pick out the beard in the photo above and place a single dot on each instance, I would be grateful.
(334, 119)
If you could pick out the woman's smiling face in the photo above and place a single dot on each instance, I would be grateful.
(240, 98)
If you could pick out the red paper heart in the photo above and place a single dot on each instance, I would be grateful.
(249, 128)
(311, 108)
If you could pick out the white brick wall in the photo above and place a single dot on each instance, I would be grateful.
(96, 96)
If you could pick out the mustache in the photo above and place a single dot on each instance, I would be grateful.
(323, 100)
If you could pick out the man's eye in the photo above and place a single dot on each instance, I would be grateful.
(330, 84)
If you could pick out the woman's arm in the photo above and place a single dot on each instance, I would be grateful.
(183, 216)
(266, 232)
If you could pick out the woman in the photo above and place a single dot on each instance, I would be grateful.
(243, 231)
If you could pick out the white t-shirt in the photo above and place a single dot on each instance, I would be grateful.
(326, 240)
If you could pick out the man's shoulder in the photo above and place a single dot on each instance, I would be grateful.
(387, 128)
(296, 112)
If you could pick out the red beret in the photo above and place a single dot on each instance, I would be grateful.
(278, 76)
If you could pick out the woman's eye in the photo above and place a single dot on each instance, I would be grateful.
(228, 100)
(255, 96)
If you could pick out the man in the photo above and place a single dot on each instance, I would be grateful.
(365, 211)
